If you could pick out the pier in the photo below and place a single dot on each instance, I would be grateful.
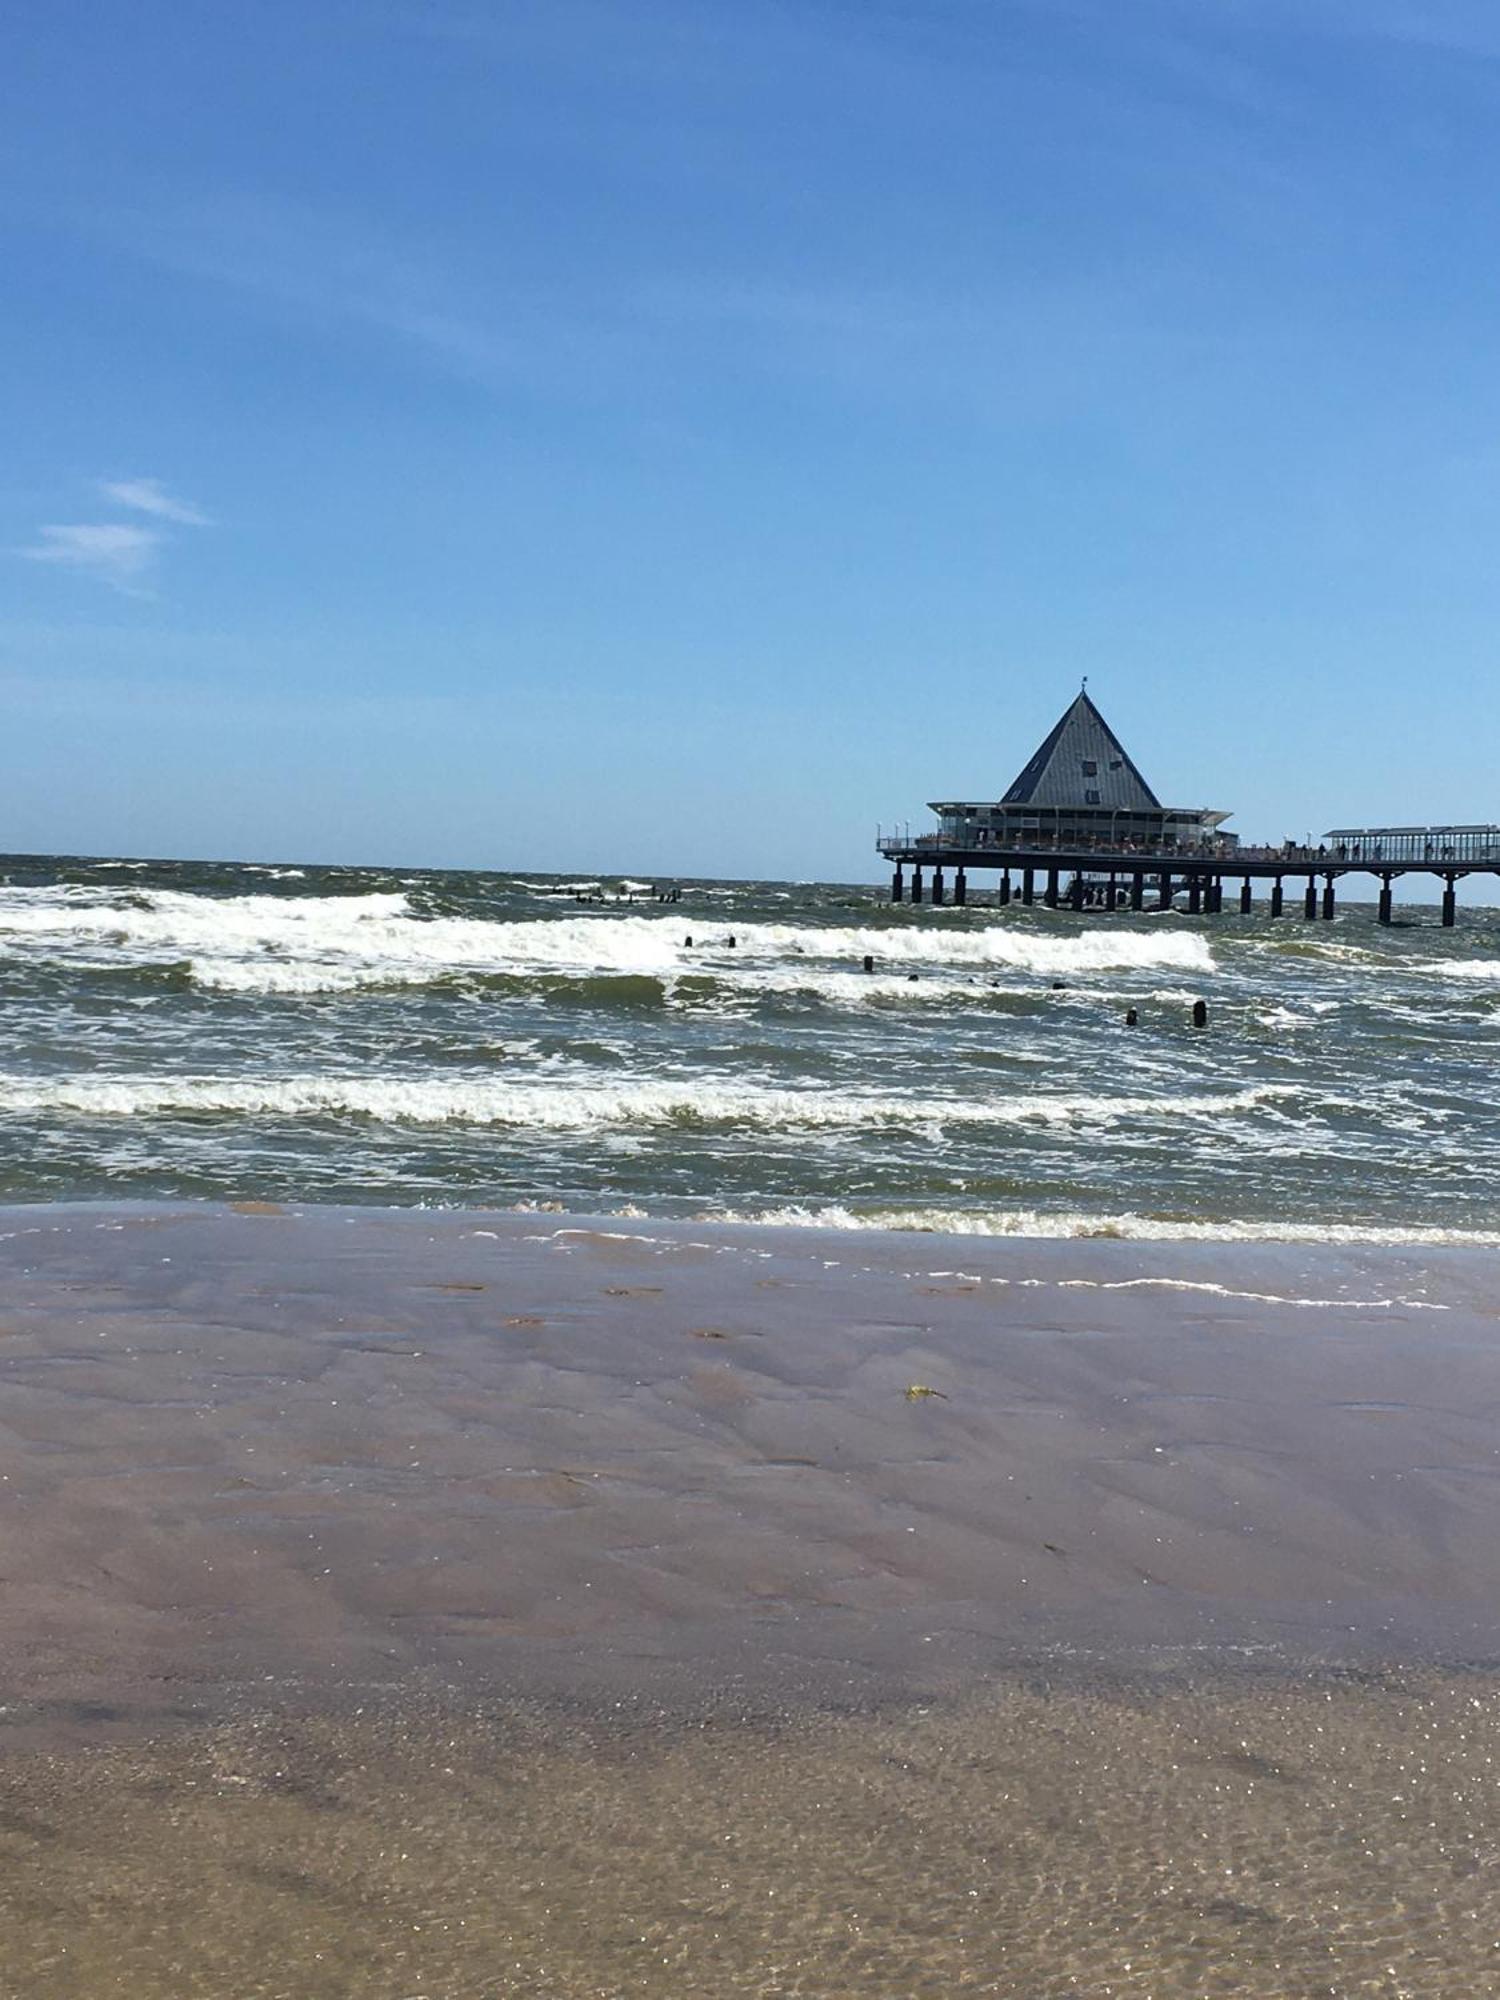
(1080, 828)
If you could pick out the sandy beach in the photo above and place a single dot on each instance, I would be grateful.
(374, 1579)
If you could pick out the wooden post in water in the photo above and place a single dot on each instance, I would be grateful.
(898, 885)
(1005, 889)
(1328, 899)
(1277, 897)
(916, 885)
(960, 887)
(1310, 899)
(1110, 895)
(1075, 890)
(1383, 911)
(1247, 901)
(1137, 891)
(937, 885)
(1166, 890)
(1195, 895)
(1028, 886)
(1450, 902)
(1050, 895)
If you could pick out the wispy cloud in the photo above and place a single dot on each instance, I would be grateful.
(149, 496)
(122, 554)
(113, 552)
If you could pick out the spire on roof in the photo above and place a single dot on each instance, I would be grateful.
(1081, 762)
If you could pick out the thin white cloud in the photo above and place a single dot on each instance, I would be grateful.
(114, 552)
(149, 496)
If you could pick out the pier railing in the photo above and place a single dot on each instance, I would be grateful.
(1419, 846)
(1129, 853)
(1196, 868)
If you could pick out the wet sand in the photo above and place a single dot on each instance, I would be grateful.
(1240, 1838)
(452, 1604)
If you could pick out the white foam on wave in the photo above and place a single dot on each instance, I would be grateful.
(577, 1101)
(1065, 1226)
(837, 988)
(342, 941)
(178, 923)
(1306, 1014)
(277, 976)
(1485, 970)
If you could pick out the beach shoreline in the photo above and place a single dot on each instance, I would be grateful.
(334, 1445)
(466, 1603)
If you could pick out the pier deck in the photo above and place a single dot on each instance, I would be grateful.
(1123, 876)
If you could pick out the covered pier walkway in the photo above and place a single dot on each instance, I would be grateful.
(1111, 876)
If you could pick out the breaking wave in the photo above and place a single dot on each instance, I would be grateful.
(1486, 970)
(328, 944)
(576, 1103)
(1126, 1227)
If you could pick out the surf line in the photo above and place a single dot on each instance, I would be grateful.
(1227, 1292)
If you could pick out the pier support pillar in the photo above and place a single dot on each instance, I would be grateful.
(1049, 896)
(1328, 904)
(1213, 897)
(1165, 880)
(1383, 911)
(1075, 891)
(1005, 889)
(1137, 891)
(1450, 902)
(1247, 901)
(1310, 899)
(1195, 896)
(1278, 896)
(1111, 895)
(916, 885)
(960, 887)
(1028, 887)
(938, 894)
(898, 886)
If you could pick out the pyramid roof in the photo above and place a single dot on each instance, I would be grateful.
(1081, 762)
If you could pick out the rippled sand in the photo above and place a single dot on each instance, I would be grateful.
(1334, 1837)
(448, 1606)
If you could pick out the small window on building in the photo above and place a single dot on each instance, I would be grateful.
(1091, 798)
(1116, 763)
(1090, 768)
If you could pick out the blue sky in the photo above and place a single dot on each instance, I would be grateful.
(673, 435)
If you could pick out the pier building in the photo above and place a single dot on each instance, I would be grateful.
(1081, 826)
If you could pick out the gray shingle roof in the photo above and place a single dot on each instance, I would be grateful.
(1082, 763)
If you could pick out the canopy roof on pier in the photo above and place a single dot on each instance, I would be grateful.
(1082, 762)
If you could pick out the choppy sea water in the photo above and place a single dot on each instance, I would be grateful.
(185, 1029)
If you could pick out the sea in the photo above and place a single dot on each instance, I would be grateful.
(702, 1049)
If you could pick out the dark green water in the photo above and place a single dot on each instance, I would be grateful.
(177, 1029)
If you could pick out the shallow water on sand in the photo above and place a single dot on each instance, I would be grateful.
(433, 1607)
(341, 1445)
(1333, 1836)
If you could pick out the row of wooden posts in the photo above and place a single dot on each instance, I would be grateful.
(1205, 892)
